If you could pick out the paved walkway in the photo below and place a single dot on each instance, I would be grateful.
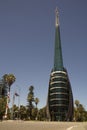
(36, 125)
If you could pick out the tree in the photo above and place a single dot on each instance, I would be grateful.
(80, 113)
(2, 107)
(9, 79)
(30, 100)
(31, 103)
(15, 112)
(34, 113)
(42, 114)
(23, 112)
(77, 103)
(36, 101)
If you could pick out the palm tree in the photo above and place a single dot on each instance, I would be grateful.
(9, 79)
(77, 103)
(36, 100)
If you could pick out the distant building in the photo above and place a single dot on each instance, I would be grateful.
(60, 97)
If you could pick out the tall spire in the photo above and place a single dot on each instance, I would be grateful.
(58, 61)
(57, 19)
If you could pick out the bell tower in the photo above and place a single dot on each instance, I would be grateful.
(60, 97)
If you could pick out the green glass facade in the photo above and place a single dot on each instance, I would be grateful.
(60, 98)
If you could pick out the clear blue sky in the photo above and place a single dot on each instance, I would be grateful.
(27, 35)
